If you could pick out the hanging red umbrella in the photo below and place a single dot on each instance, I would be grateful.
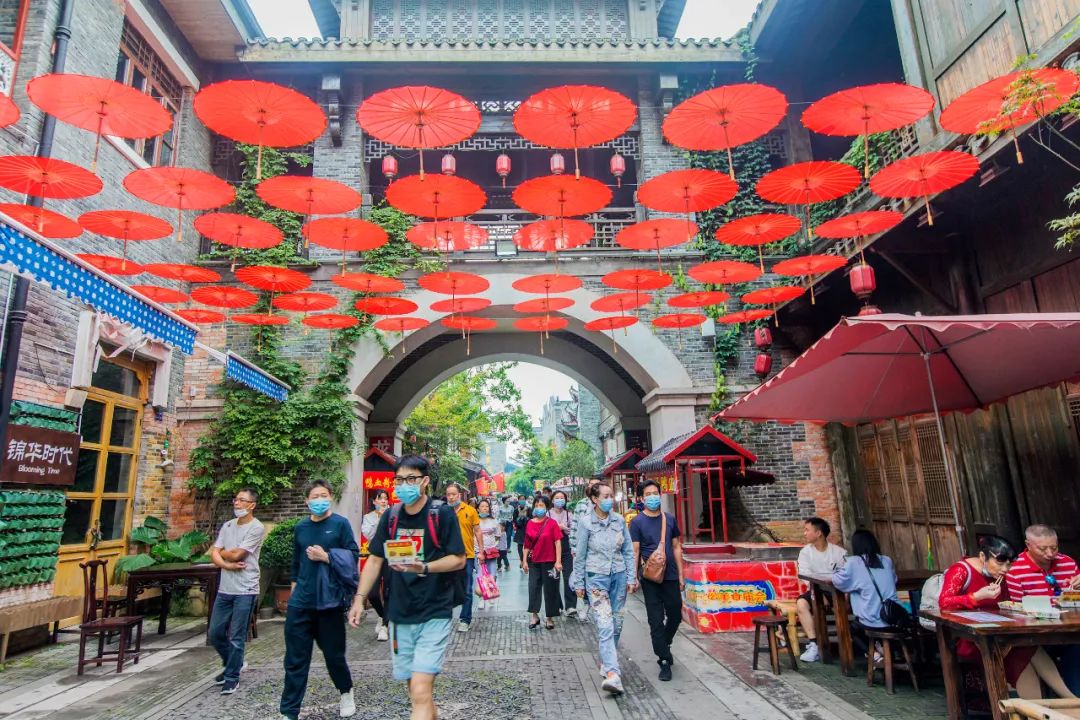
(224, 296)
(553, 235)
(924, 175)
(637, 280)
(345, 234)
(656, 234)
(725, 117)
(183, 273)
(468, 324)
(400, 325)
(678, 321)
(181, 188)
(562, 195)
(47, 177)
(447, 236)
(461, 305)
(773, 295)
(702, 298)
(868, 109)
(125, 225)
(9, 111)
(46, 222)
(543, 305)
(574, 116)
(418, 116)
(200, 316)
(860, 224)
(542, 324)
(259, 113)
(273, 279)
(386, 306)
(160, 294)
(687, 191)
(724, 272)
(100, 105)
(1009, 101)
(808, 182)
(611, 324)
(546, 283)
(260, 319)
(758, 230)
(367, 282)
(238, 231)
(745, 316)
(439, 196)
(110, 264)
(307, 195)
(453, 283)
(330, 321)
(305, 302)
(808, 266)
(620, 302)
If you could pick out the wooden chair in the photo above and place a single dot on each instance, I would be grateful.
(887, 638)
(102, 627)
(773, 625)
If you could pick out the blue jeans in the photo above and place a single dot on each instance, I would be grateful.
(1067, 658)
(229, 622)
(466, 607)
(606, 595)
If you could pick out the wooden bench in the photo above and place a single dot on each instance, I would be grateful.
(32, 614)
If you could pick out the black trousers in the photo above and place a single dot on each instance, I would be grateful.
(378, 597)
(503, 560)
(663, 607)
(541, 582)
(569, 596)
(302, 627)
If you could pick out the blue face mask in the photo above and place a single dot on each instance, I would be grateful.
(408, 494)
(455, 503)
(539, 511)
(606, 504)
(484, 515)
(560, 503)
(318, 506)
(652, 502)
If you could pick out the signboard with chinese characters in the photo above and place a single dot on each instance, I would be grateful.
(669, 482)
(39, 456)
(376, 480)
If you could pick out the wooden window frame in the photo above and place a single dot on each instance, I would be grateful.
(157, 80)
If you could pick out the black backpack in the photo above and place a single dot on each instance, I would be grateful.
(455, 579)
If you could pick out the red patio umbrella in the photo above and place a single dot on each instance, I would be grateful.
(386, 306)
(110, 264)
(100, 105)
(183, 273)
(702, 298)
(305, 302)
(369, 283)
(438, 197)
(200, 316)
(574, 116)
(542, 324)
(543, 305)
(46, 222)
(447, 236)
(724, 272)
(611, 324)
(808, 266)
(308, 195)
(562, 195)
(345, 234)
(868, 109)
(924, 175)
(553, 235)
(330, 321)
(224, 296)
(461, 305)
(687, 191)
(47, 177)
(126, 225)
(159, 294)
(745, 316)
(401, 325)
(725, 117)
(656, 234)
(238, 231)
(9, 111)
(181, 188)
(678, 321)
(859, 224)
(418, 116)
(758, 230)
(259, 113)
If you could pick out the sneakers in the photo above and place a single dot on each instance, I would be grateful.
(571, 612)
(382, 634)
(665, 670)
(229, 687)
(219, 679)
(612, 684)
(812, 653)
(347, 705)
(463, 627)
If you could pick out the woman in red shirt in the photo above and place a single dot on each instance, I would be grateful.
(542, 562)
(978, 583)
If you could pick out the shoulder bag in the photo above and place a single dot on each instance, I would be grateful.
(655, 564)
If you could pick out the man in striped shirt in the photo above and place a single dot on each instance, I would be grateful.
(1042, 570)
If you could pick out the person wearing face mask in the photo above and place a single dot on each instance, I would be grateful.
(561, 515)
(324, 548)
(603, 573)
(368, 524)
(469, 520)
(236, 552)
(491, 533)
(542, 562)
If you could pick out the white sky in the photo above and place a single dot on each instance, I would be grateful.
(702, 18)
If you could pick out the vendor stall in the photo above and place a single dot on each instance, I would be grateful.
(623, 476)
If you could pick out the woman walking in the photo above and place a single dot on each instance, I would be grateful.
(603, 574)
(520, 520)
(491, 533)
(378, 598)
(565, 518)
(542, 562)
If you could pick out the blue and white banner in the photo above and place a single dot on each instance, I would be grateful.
(243, 372)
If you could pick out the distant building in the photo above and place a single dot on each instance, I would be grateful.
(566, 419)
(493, 455)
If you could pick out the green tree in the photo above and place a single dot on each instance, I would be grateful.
(538, 463)
(576, 459)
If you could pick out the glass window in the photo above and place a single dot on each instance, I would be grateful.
(93, 413)
(115, 378)
(77, 522)
(140, 67)
(122, 433)
(85, 471)
(112, 519)
(117, 473)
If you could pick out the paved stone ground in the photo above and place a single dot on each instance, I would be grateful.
(499, 670)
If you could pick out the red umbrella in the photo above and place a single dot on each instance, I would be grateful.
(611, 324)
(924, 175)
(678, 321)
(47, 223)
(773, 295)
(259, 113)
(9, 111)
(724, 272)
(183, 273)
(400, 325)
(368, 282)
(307, 195)
(703, 298)
(453, 283)
(260, 319)
(1009, 101)
(808, 182)
(386, 306)
(273, 279)
(562, 195)
(305, 302)
(553, 235)
(686, 191)
(447, 236)
(100, 105)
(181, 188)
(469, 324)
(808, 266)
(345, 234)
(330, 321)
(461, 305)
(760, 229)
(725, 117)
(544, 305)
(542, 324)
(868, 109)
(197, 315)
(745, 316)
(418, 116)
(656, 234)
(620, 302)
(224, 296)
(110, 264)
(546, 283)
(439, 196)
(125, 225)
(574, 116)
(238, 231)
(859, 224)
(47, 177)
(160, 294)
(637, 280)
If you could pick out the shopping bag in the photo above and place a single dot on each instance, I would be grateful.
(486, 587)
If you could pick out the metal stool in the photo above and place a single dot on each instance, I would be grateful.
(773, 624)
(886, 638)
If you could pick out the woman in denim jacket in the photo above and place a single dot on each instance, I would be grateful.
(603, 574)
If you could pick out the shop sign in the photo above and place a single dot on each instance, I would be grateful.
(379, 480)
(39, 456)
(669, 483)
(729, 597)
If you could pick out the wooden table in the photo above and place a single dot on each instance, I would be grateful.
(994, 641)
(171, 577)
(819, 587)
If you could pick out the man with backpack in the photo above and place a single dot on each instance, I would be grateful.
(424, 591)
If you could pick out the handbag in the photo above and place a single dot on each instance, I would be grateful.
(486, 587)
(491, 553)
(656, 563)
(892, 613)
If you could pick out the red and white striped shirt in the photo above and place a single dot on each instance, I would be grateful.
(1027, 578)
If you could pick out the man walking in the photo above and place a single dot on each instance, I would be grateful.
(422, 592)
(469, 520)
(663, 599)
(236, 552)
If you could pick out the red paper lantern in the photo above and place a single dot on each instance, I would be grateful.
(762, 338)
(862, 280)
(558, 164)
(502, 166)
(618, 167)
(449, 164)
(870, 310)
(389, 167)
(763, 364)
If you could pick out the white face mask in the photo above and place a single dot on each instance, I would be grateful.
(240, 512)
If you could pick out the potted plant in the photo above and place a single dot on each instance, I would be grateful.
(277, 558)
(153, 535)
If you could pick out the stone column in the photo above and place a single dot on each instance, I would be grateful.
(339, 152)
(352, 496)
